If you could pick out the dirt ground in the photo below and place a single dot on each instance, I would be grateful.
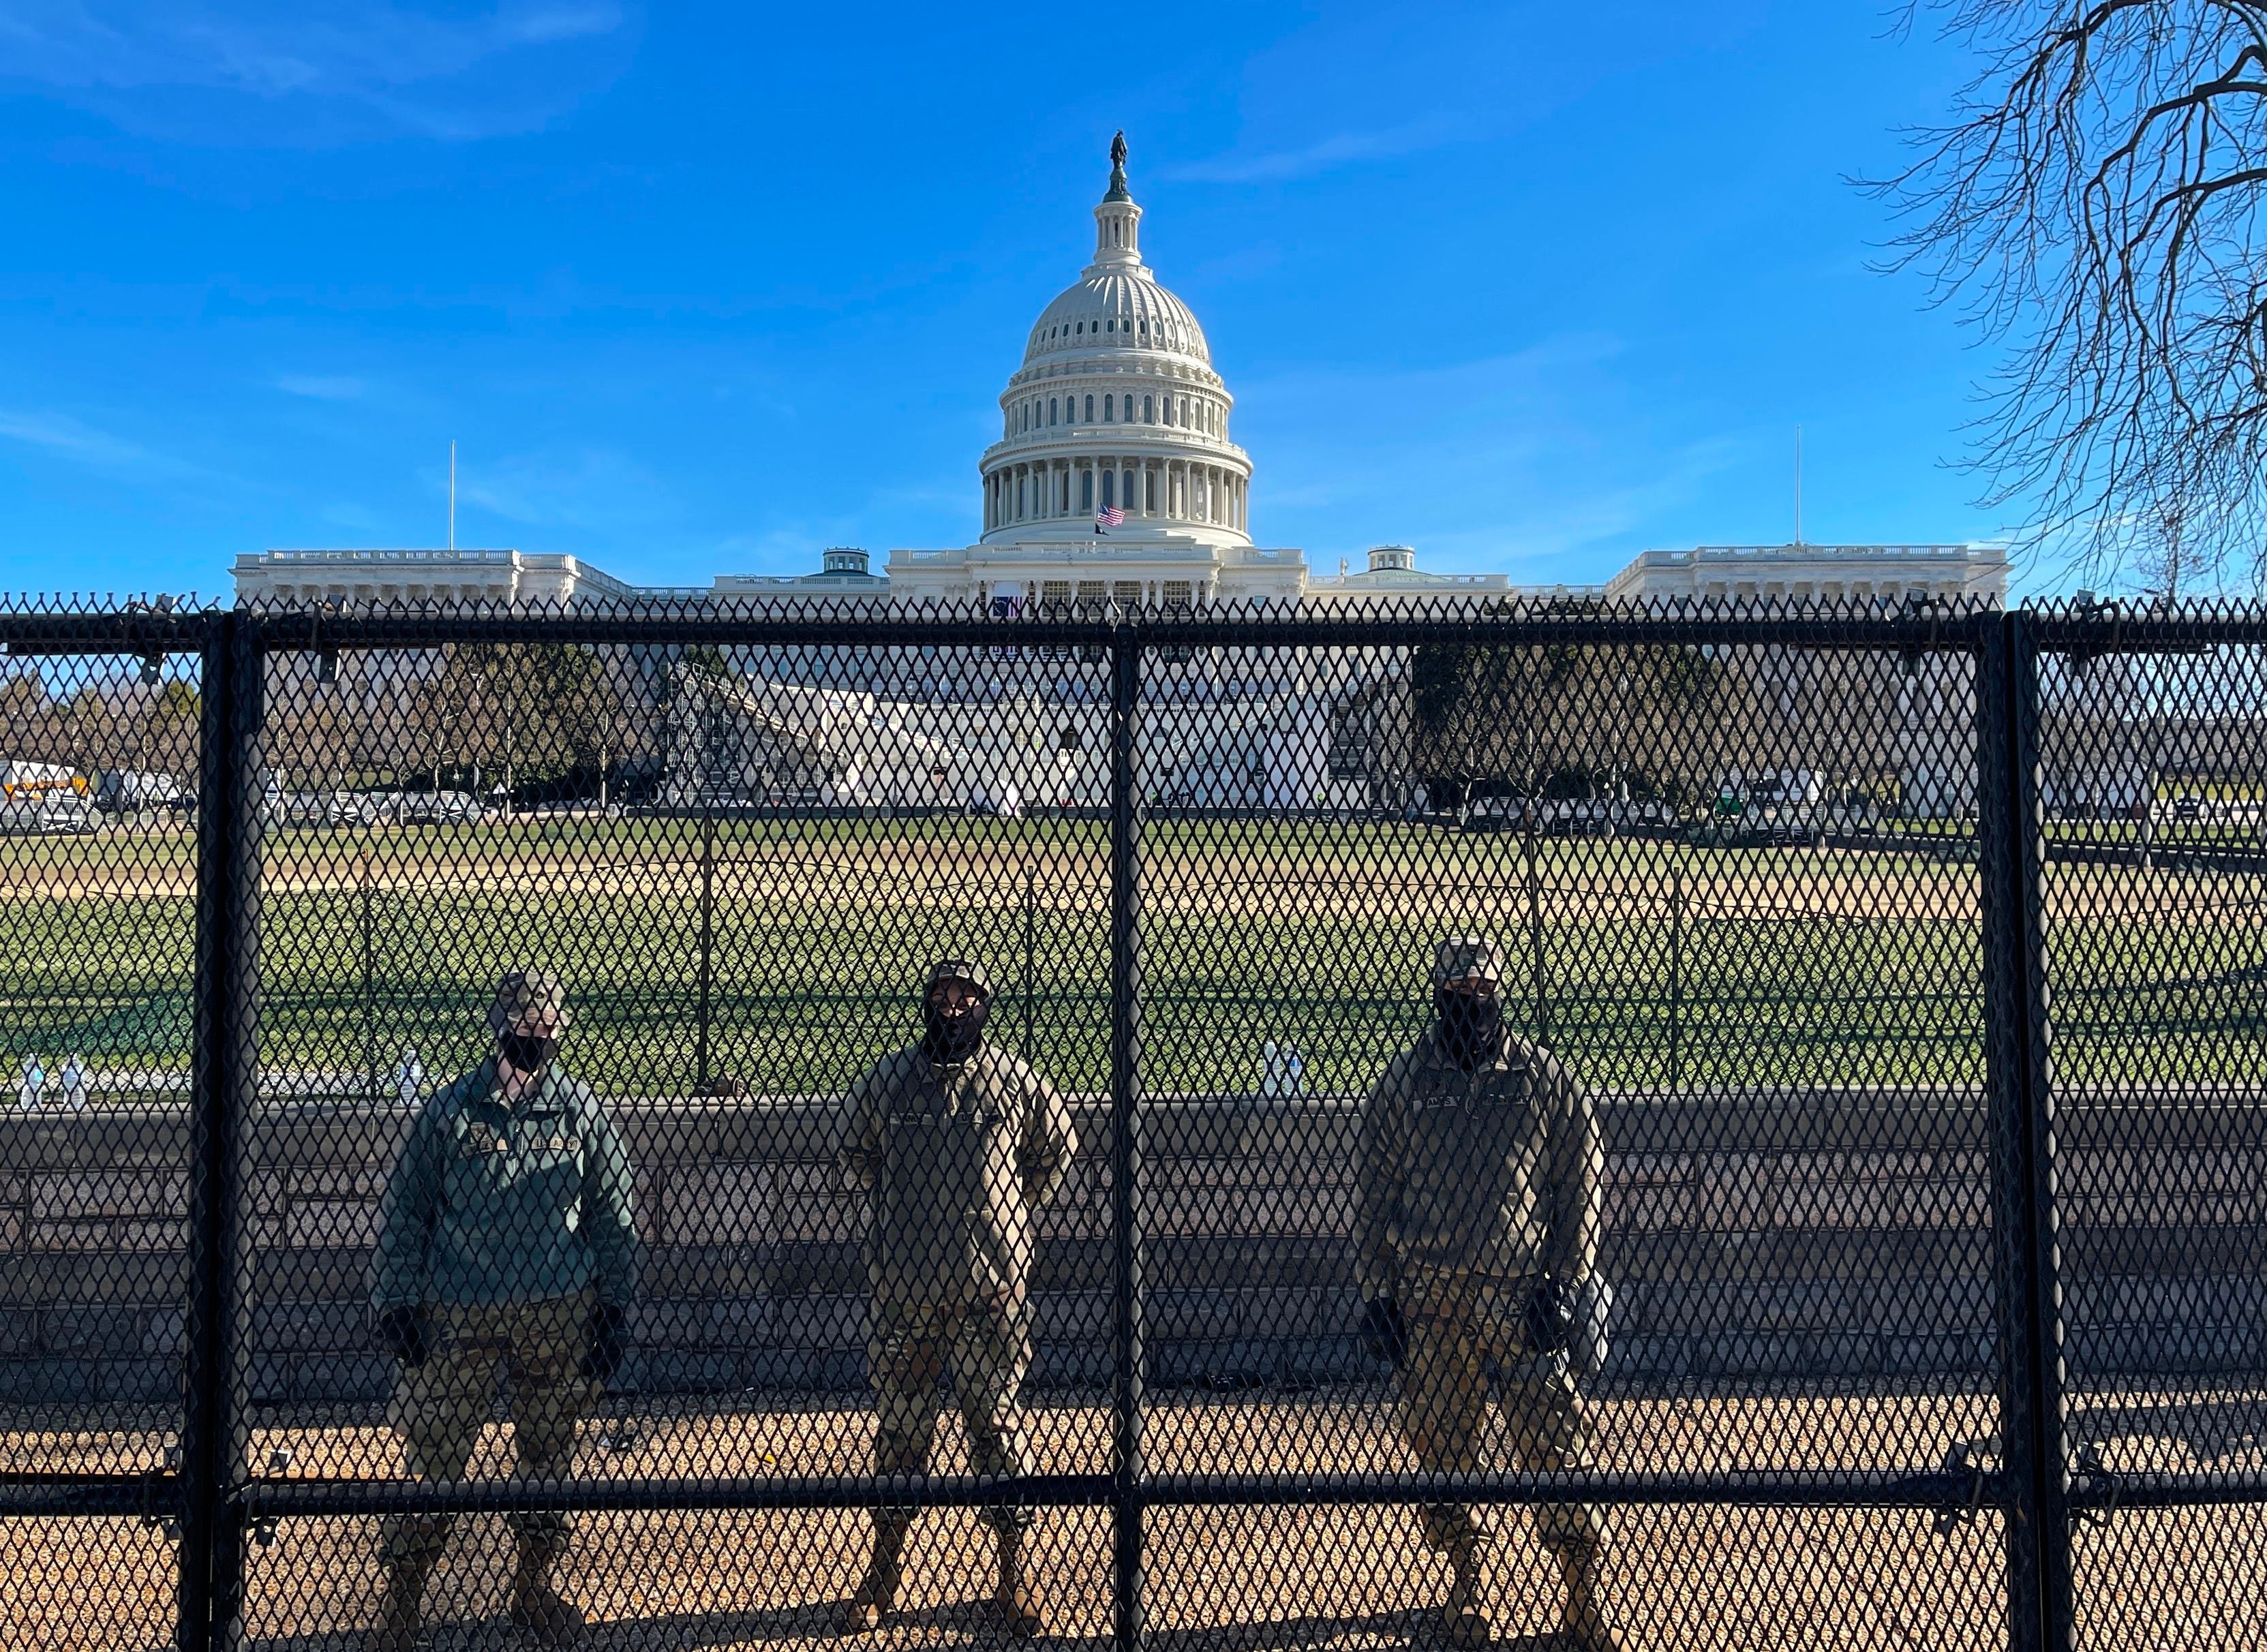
(1702, 1579)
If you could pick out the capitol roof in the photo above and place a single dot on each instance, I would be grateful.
(1117, 309)
(1115, 304)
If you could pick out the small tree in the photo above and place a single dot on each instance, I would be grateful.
(170, 729)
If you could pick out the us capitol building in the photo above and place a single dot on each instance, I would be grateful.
(1116, 408)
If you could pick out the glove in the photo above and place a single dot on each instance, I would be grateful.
(402, 1333)
(1384, 1332)
(1589, 1330)
(605, 1341)
(1550, 1312)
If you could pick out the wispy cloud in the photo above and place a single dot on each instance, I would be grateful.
(321, 386)
(349, 516)
(64, 438)
(392, 68)
(586, 489)
(1534, 458)
(1340, 149)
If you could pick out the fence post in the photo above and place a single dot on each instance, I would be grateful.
(2021, 1139)
(704, 1009)
(224, 1027)
(1538, 965)
(1125, 1145)
(369, 973)
(1030, 956)
(1676, 967)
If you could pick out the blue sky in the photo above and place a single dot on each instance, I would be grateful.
(700, 290)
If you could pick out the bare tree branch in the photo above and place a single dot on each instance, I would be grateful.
(2093, 208)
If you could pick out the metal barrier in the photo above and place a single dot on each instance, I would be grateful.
(1765, 1102)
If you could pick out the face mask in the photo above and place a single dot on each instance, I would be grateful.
(528, 1052)
(1471, 1025)
(947, 1040)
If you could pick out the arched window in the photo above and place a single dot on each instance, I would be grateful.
(1109, 408)
(1051, 409)
(1089, 410)
(1109, 489)
(1149, 411)
(1082, 327)
(1086, 490)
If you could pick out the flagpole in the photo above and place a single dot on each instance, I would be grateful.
(1797, 486)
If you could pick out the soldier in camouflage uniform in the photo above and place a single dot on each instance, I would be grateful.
(959, 1144)
(508, 1245)
(1477, 1238)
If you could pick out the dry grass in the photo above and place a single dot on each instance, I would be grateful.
(1699, 1578)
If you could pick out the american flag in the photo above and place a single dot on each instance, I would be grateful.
(1109, 516)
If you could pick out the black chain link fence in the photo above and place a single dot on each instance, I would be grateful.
(666, 1129)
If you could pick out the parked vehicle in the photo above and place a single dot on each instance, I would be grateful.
(45, 811)
(131, 790)
(1495, 814)
(437, 808)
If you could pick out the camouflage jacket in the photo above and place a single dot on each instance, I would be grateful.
(1496, 1172)
(956, 1162)
(492, 1202)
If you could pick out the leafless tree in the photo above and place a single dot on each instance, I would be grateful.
(2092, 206)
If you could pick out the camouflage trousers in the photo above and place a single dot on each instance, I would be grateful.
(987, 1349)
(440, 1407)
(1468, 1338)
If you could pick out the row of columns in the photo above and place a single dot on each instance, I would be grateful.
(1174, 490)
(1090, 593)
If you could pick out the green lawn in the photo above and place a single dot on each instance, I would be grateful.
(1661, 963)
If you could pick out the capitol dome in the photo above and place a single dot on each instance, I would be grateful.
(1116, 408)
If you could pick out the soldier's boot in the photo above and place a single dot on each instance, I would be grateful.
(536, 1605)
(1584, 1625)
(1017, 1601)
(1463, 1615)
(400, 1610)
(876, 1596)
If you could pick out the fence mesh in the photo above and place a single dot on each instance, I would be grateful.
(2154, 784)
(718, 1131)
